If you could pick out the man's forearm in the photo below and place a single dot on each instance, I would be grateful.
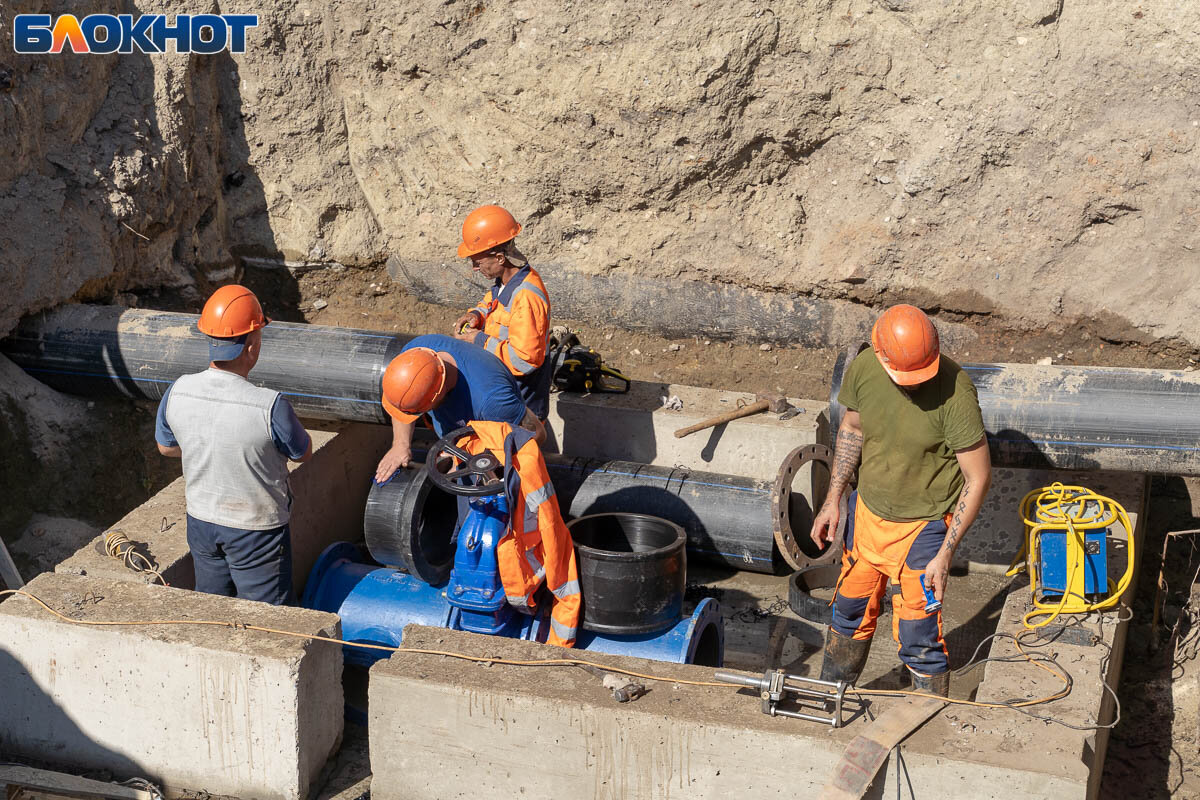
(845, 461)
(966, 508)
(402, 433)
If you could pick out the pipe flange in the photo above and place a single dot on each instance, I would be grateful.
(801, 585)
(409, 526)
(793, 553)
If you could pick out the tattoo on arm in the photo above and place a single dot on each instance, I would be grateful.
(530, 422)
(845, 461)
(957, 528)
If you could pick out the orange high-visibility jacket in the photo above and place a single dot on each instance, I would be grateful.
(516, 322)
(537, 546)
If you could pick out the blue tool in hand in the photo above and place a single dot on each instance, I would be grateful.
(931, 602)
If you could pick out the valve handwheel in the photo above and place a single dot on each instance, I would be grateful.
(482, 467)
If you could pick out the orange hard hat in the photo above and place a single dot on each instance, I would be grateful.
(232, 311)
(411, 382)
(485, 228)
(906, 344)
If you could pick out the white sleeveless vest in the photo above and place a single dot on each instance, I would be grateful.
(233, 473)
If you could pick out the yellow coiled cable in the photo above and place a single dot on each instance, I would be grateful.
(1078, 510)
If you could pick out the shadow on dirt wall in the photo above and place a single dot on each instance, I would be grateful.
(111, 464)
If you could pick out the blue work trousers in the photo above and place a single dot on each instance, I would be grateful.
(251, 565)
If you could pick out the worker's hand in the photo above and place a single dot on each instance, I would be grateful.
(825, 524)
(399, 456)
(466, 335)
(469, 320)
(937, 573)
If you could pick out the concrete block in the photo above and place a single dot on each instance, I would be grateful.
(329, 494)
(215, 709)
(330, 491)
(1092, 649)
(444, 728)
(636, 427)
(158, 530)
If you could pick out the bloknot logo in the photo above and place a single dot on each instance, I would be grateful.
(121, 33)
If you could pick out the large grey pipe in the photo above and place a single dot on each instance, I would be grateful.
(1135, 420)
(325, 372)
(1086, 418)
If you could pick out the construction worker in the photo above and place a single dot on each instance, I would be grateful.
(512, 322)
(455, 383)
(537, 549)
(914, 431)
(235, 440)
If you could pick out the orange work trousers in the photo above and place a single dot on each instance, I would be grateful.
(876, 552)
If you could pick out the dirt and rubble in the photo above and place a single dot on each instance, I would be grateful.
(366, 298)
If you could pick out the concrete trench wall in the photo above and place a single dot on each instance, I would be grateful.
(506, 731)
(231, 712)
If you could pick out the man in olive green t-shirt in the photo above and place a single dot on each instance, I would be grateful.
(914, 431)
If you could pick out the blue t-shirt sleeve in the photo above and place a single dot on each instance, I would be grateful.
(505, 406)
(162, 431)
(286, 431)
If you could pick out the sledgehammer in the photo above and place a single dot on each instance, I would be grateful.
(775, 403)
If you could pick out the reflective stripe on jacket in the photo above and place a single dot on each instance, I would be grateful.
(516, 329)
(537, 546)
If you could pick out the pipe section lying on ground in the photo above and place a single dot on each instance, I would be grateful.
(325, 372)
(1086, 418)
(729, 520)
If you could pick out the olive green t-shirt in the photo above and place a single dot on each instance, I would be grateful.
(909, 470)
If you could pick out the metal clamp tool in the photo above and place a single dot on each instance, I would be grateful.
(776, 686)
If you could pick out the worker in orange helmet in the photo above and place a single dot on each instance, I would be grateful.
(914, 431)
(512, 322)
(454, 382)
(235, 440)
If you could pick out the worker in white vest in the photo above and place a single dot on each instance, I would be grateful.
(235, 440)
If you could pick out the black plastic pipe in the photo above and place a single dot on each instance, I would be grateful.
(1085, 418)
(728, 520)
(632, 572)
(326, 372)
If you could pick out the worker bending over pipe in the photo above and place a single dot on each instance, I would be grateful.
(235, 440)
(512, 322)
(452, 381)
(914, 431)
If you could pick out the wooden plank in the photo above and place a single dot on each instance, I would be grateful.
(8, 570)
(866, 753)
(70, 785)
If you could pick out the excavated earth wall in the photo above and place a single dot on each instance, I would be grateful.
(1032, 163)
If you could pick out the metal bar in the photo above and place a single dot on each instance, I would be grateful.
(832, 722)
(740, 680)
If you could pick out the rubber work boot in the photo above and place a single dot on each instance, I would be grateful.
(938, 684)
(843, 657)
